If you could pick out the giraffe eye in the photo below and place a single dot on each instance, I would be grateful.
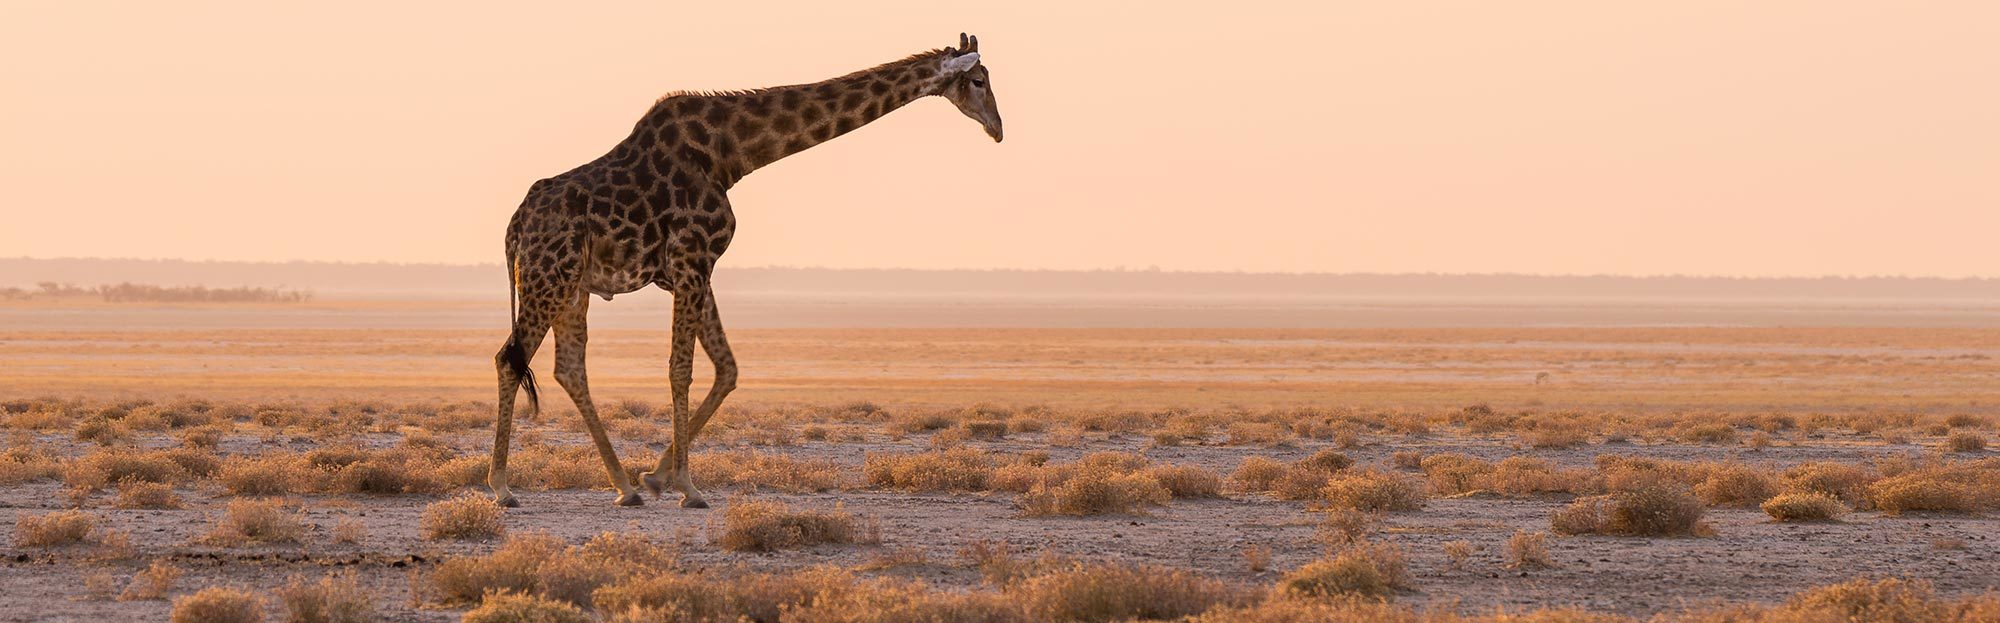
(979, 83)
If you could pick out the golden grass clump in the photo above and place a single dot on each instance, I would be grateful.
(24, 462)
(268, 474)
(1186, 481)
(1966, 441)
(218, 604)
(1257, 473)
(1121, 592)
(333, 599)
(1344, 525)
(267, 520)
(1458, 554)
(1095, 490)
(1256, 558)
(765, 470)
(153, 582)
(1848, 483)
(541, 565)
(518, 608)
(762, 526)
(133, 494)
(1374, 490)
(1523, 476)
(1811, 506)
(1735, 484)
(1889, 599)
(1529, 550)
(110, 466)
(54, 529)
(1706, 432)
(465, 516)
(1451, 473)
(957, 469)
(1644, 504)
(1374, 571)
(1934, 489)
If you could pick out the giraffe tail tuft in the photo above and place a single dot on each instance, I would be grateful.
(517, 361)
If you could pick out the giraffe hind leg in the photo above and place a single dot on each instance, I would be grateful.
(512, 364)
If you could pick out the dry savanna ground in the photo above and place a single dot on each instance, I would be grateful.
(1698, 474)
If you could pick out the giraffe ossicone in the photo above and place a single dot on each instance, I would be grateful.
(655, 211)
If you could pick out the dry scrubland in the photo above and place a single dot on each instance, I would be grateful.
(1553, 475)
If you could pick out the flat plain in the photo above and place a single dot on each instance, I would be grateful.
(1005, 473)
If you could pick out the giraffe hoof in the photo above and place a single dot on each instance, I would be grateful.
(653, 483)
(693, 503)
(507, 502)
(631, 498)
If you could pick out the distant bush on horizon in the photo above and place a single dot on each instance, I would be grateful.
(144, 293)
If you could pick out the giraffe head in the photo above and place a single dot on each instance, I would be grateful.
(969, 87)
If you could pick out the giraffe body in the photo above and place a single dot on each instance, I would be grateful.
(655, 211)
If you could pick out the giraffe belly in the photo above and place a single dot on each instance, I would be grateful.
(611, 283)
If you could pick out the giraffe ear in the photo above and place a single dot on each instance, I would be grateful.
(958, 64)
(963, 43)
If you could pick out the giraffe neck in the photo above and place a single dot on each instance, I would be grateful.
(742, 132)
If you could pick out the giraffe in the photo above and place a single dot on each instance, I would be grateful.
(655, 211)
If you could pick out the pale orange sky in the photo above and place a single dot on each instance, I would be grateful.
(1700, 137)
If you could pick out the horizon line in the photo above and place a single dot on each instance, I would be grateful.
(1112, 270)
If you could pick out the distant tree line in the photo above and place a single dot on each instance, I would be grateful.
(145, 293)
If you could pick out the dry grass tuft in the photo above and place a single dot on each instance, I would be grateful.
(1256, 558)
(153, 582)
(1120, 592)
(957, 469)
(266, 520)
(53, 529)
(1646, 504)
(1457, 554)
(269, 474)
(1186, 481)
(1374, 490)
(1344, 525)
(763, 470)
(1848, 483)
(1257, 473)
(219, 604)
(1814, 506)
(134, 494)
(1095, 490)
(1529, 550)
(543, 566)
(334, 599)
(465, 516)
(1364, 570)
(1735, 484)
(762, 526)
(1935, 489)
(518, 608)
(1966, 441)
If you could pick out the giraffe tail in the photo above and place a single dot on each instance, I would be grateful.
(515, 356)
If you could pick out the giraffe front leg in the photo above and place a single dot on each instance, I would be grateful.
(673, 468)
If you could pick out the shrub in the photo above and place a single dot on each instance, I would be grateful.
(1327, 461)
(1649, 506)
(1452, 473)
(1095, 490)
(518, 608)
(256, 521)
(1848, 483)
(762, 526)
(1863, 600)
(1458, 553)
(117, 465)
(1924, 490)
(153, 582)
(53, 529)
(146, 495)
(1365, 570)
(1966, 441)
(1375, 491)
(957, 469)
(543, 566)
(466, 516)
(1529, 550)
(218, 604)
(1344, 525)
(273, 474)
(1120, 592)
(764, 470)
(1186, 481)
(333, 599)
(1706, 432)
(1812, 506)
(102, 432)
(1736, 485)
(1256, 473)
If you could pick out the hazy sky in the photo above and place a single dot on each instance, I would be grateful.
(1706, 137)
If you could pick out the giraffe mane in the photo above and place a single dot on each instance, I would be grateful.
(733, 92)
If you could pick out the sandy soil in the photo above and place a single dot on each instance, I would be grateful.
(1750, 559)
